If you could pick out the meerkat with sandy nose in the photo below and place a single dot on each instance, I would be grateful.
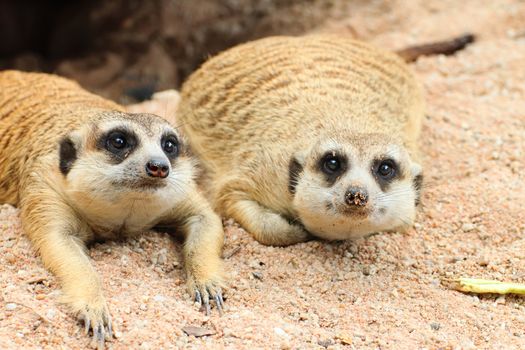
(313, 135)
(81, 169)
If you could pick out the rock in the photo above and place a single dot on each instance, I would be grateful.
(51, 313)
(435, 326)
(280, 332)
(369, 270)
(325, 342)
(159, 298)
(198, 331)
(162, 257)
(257, 275)
(500, 300)
(10, 306)
(345, 339)
(467, 227)
(10, 257)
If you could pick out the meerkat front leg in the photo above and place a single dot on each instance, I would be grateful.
(58, 234)
(204, 238)
(267, 226)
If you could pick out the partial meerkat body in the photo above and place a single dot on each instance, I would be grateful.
(307, 135)
(81, 169)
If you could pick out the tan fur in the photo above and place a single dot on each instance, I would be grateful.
(250, 109)
(60, 212)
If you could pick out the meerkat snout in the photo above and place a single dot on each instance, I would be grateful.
(157, 168)
(356, 196)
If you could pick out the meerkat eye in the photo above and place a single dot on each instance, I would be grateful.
(332, 164)
(116, 140)
(170, 146)
(386, 169)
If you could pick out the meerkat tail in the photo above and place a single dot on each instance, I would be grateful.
(446, 47)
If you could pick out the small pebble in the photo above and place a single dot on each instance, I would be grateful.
(162, 257)
(467, 227)
(10, 257)
(51, 313)
(11, 306)
(500, 300)
(483, 262)
(435, 326)
(325, 342)
(159, 298)
(280, 332)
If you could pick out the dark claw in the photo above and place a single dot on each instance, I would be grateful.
(98, 336)
(107, 322)
(87, 325)
(110, 329)
(198, 297)
(100, 332)
(218, 303)
(208, 307)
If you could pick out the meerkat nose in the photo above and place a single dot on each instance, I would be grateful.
(157, 168)
(356, 196)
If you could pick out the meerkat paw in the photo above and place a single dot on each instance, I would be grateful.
(207, 291)
(96, 318)
(265, 225)
(273, 229)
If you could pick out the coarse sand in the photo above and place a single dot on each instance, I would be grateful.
(388, 291)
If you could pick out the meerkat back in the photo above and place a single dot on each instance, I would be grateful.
(269, 89)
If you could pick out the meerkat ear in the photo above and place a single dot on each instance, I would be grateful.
(67, 154)
(417, 180)
(295, 168)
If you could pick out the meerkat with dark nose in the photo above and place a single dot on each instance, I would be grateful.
(81, 169)
(313, 135)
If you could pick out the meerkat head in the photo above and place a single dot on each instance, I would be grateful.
(120, 157)
(347, 188)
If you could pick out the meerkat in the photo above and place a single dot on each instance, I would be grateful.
(312, 136)
(81, 169)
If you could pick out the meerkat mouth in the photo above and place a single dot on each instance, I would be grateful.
(144, 184)
(358, 213)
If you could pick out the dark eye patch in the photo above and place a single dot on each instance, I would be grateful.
(332, 165)
(385, 171)
(118, 143)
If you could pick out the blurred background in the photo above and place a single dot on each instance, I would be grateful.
(127, 49)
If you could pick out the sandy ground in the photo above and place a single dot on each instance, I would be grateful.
(385, 291)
